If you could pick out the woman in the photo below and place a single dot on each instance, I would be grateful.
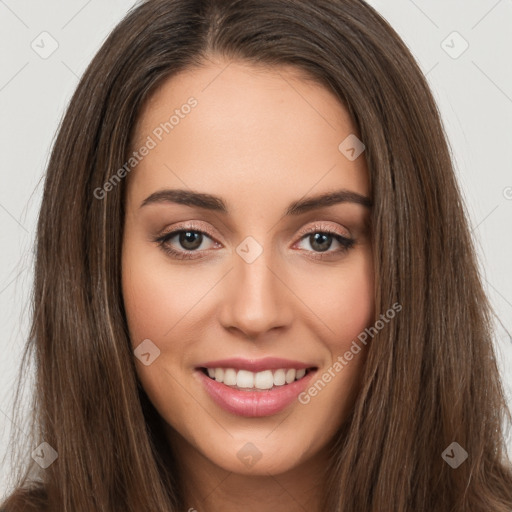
(255, 285)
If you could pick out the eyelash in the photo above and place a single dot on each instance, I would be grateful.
(163, 242)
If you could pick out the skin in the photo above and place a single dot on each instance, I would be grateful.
(260, 138)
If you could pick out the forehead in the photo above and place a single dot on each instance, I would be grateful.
(251, 130)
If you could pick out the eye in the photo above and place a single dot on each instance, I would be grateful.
(185, 243)
(322, 240)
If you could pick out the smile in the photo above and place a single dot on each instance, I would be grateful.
(251, 381)
(254, 388)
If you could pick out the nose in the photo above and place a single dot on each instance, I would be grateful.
(256, 298)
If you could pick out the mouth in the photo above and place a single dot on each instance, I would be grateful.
(252, 388)
(265, 380)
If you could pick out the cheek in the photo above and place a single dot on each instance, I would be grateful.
(152, 305)
(347, 308)
(342, 301)
(157, 299)
(158, 296)
(156, 302)
(350, 305)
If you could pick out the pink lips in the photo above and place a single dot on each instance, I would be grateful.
(254, 403)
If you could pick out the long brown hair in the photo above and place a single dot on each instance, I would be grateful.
(429, 381)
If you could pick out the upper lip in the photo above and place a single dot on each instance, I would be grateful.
(256, 365)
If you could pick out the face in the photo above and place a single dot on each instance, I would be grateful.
(241, 291)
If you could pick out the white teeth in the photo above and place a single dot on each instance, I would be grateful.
(230, 377)
(279, 378)
(265, 379)
(290, 375)
(244, 379)
(300, 374)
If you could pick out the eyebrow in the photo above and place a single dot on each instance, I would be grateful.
(217, 204)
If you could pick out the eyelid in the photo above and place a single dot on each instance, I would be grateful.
(326, 228)
(189, 226)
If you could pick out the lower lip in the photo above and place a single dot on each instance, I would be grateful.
(254, 403)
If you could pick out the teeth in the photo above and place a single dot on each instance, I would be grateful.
(219, 374)
(279, 377)
(266, 379)
(244, 379)
(300, 374)
(230, 377)
(290, 375)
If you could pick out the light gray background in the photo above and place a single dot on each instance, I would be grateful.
(473, 90)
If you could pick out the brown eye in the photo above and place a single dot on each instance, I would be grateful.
(322, 241)
(190, 240)
(186, 243)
